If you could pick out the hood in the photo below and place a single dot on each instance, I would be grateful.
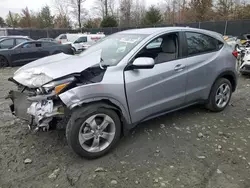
(42, 71)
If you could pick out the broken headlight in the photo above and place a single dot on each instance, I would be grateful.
(58, 85)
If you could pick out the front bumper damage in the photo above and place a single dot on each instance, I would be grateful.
(37, 110)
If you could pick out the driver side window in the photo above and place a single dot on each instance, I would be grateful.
(162, 49)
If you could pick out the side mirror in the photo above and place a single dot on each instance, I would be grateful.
(143, 63)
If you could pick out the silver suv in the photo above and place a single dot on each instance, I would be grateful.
(124, 79)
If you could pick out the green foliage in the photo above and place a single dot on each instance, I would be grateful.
(2, 22)
(153, 16)
(109, 21)
(13, 19)
(45, 19)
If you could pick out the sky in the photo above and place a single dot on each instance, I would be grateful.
(17, 5)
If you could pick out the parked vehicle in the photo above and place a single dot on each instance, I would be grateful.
(84, 41)
(30, 51)
(48, 39)
(122, 81)
(244, 60)
(231, 41)
(242, 40)
(11, 41)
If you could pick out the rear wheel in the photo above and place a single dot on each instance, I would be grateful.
(220, 95)
(3, 62)
(93, 132)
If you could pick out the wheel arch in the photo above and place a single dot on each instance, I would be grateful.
(230, 75)
(109, 104)
(8, 59)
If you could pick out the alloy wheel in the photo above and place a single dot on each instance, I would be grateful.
(97, 133)
(222, 95)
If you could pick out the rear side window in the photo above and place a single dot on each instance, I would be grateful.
(199, 43)
(19, 41)
(63, 37)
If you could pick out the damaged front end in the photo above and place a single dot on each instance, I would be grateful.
(41, 105)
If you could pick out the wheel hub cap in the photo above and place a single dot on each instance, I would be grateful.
(223, 95)
(97, 133)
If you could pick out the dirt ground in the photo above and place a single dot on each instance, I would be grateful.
(191, 148)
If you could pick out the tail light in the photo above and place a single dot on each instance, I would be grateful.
(59, 42)
(235, 53)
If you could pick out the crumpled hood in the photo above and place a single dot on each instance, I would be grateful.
(42, 71)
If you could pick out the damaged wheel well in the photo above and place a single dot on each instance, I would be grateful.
(106, 103)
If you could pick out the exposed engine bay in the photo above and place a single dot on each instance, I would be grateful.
(43, 104)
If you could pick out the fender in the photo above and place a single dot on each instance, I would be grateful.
(113, 101)
(229, 74)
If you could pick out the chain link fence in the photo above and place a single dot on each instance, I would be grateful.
(235, 28)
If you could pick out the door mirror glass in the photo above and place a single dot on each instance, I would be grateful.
(143, 63)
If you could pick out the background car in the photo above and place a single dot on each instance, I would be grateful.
(48, 39)
(30, 51)
(11, 41)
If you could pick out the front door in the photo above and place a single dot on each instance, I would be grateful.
(28, 52)
(153, 91)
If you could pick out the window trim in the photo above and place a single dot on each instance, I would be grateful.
(180, 45)
(9, 39)
(202, 53)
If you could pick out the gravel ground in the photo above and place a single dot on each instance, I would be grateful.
(190, 148)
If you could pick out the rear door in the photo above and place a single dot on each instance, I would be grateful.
(201, 63)
(27, 52)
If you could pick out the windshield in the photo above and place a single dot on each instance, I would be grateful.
(115, 47)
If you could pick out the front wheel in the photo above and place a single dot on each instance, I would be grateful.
(3, 62)
(220, 95)
(93, 131)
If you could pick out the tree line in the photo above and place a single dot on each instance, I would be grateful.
(126, 13)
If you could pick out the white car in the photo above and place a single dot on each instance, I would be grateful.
(79, 42)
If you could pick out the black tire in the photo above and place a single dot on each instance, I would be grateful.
(3, 62)
(78, 117)
(211, 105)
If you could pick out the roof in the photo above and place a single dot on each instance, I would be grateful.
(158, 30)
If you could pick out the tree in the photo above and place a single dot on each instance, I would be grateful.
(92, 23)
(45, 18)
(201, 10)
(125, 12)
(13, 19)
(104, 7)
(138, 13)
(152, 16)
(77, 10)
(109, 21)
(224, 8)
(62, 21)
(28, 19)
(2, 22)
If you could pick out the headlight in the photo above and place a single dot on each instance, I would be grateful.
(58, 85)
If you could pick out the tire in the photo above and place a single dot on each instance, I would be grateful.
(3, 62)
(77, 124)
(212, 102)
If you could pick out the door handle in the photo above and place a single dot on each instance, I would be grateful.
(179, 67)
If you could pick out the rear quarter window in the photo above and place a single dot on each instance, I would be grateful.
(63, 37)
(198, 43)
